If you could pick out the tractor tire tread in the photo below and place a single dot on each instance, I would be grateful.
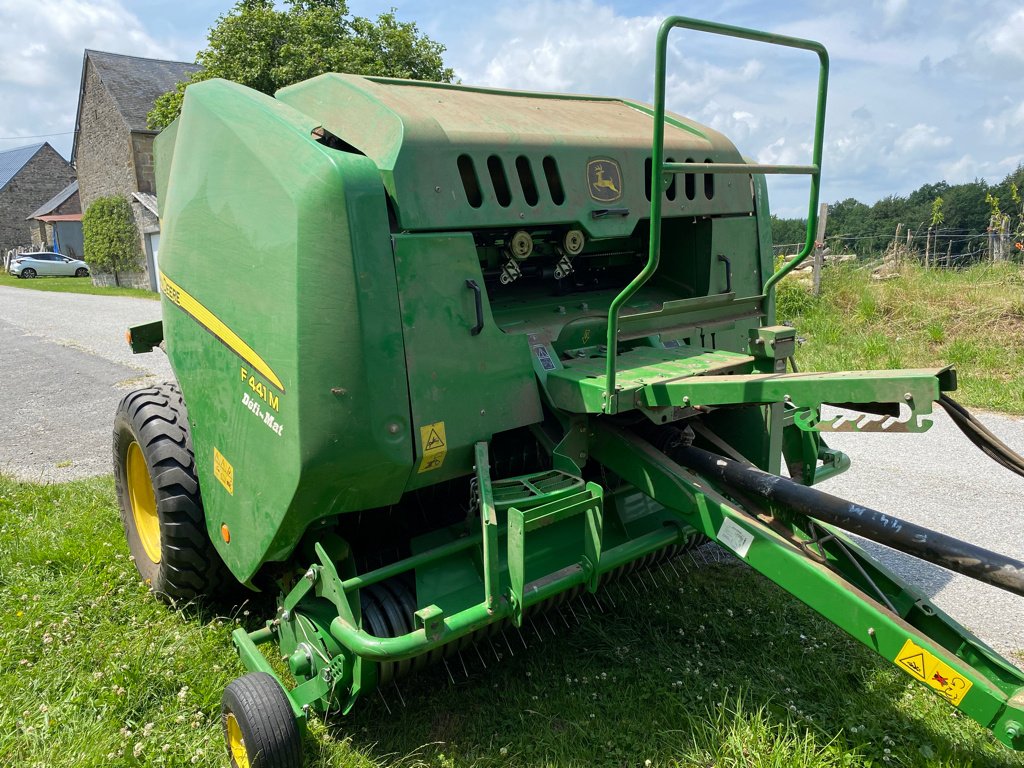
(261, 707)
(190, 567)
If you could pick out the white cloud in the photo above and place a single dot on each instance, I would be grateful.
(967, 168)
(1001, 39)
(582, 46)
(41, 50)
(1005, 124)
(921, 139)
(598, 52)
(896, 120)
(894, 12)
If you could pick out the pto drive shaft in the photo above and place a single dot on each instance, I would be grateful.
(946, 551)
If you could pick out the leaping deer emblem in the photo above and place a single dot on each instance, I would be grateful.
(601, 182)
(605, 180)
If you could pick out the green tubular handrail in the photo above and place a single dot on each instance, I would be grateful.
(658, 161)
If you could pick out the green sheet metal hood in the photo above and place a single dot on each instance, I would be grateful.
(430, 141)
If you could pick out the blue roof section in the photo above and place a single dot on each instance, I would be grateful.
(13, 160)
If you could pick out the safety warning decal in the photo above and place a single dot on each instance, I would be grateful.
(223, 471)
(434, 446)
(735, 537)
(924, 666)
(545, 359)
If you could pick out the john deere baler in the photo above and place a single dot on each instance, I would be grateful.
(444, 354)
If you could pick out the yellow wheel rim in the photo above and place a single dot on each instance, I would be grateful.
(143, 500)
(236, 743)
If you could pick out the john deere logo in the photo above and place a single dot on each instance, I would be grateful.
(604, 180)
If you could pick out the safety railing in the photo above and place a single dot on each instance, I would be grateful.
(662, 169)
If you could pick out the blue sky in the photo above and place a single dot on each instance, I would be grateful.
(920, 91)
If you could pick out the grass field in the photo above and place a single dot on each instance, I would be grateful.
(713, 667)
(972, 318)
(72, 285)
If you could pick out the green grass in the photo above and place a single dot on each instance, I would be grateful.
(716, 667)
(972, 318)
(73, 285)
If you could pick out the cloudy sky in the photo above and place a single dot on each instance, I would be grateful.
(920, 91)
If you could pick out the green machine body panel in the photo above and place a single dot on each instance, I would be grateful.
(473, 384)
(261, 263)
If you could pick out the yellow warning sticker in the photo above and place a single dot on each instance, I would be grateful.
(434, 446)
(223, 471)
(925, 667)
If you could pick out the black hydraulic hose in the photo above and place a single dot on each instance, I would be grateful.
(980, 435)
(960, 556)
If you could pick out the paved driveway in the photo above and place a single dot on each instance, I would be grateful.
(940, 480)
(64, 366)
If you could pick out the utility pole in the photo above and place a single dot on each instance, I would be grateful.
(819, 249)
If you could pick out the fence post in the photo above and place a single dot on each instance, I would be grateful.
(819, 249)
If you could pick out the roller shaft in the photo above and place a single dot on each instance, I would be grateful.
(956, 555)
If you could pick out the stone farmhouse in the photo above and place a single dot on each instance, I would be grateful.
(113, 148)
(29, 176)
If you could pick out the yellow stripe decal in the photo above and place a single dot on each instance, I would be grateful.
(178, 296)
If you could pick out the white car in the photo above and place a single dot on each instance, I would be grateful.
(45, 263)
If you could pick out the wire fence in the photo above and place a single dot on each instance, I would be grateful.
(946, 247)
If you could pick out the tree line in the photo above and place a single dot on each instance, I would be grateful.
(266, 46)
(963, 220)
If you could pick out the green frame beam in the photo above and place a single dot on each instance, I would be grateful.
(994, 695)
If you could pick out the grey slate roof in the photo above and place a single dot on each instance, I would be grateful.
(148, 202)
(56, 201)
(135, 83)
(13, 160)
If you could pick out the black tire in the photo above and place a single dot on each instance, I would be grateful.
(28, 273)
(256, 707)
(185, 566)
(81, 272)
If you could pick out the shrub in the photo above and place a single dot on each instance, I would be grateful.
(111, 237)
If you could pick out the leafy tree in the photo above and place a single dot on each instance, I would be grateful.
(267, 48)
(111, 237)
(1018, 224)
(931, 245)
(996, 217)
(937, 215)
(789, 231)
(966, 212)
(849, 226)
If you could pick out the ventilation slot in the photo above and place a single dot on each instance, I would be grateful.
(554, 180)
(526, 180)
(690, 183)
(670, 190)
(470, 183)
(709, 182)
(499, 181)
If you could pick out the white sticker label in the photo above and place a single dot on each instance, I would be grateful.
(735, 537)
